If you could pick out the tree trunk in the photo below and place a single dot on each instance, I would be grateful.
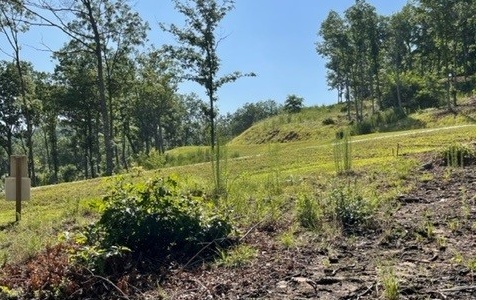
(349, 103)
(28, 118)
(54, 152)
(101, 90)
(47, 152)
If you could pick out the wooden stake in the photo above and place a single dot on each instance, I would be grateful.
(18, 194)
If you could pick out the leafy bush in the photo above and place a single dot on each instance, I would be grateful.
(68, 173)
(155, 219)
(379, 121)
(415, 91)
(328, 121)
(153, 160)
(349, 209)
(308, 212)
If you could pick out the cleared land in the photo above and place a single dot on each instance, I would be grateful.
(417, 241)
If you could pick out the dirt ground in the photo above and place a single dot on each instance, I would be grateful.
(427, 247)
(423, 248)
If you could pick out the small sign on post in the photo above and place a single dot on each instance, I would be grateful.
(17, 185)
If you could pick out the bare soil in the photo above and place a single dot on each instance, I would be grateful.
(426, 242)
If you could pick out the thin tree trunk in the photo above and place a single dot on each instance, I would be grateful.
(28, 119)
(47, 152)
(54, 147)
(101, 90)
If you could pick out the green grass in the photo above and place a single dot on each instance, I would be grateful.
(236, 257)
(390, 283)
(264, 180)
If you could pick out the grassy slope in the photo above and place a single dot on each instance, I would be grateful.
(263, 169)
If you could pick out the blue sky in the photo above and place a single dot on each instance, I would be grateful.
(273, 38)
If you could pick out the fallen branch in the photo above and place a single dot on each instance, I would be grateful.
(458, 289)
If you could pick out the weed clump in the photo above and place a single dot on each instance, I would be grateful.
(349, 209)
(458, 156)
(308, 212)
(341, 208)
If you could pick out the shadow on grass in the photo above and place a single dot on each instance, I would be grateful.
(407, 123)
(8, 225)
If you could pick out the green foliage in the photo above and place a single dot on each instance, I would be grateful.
(348, 208)
(391, 286)
(293, 104)
(328, 121)
(100, 260)
(416, 91)
(376, 121)
(458, 155)
(236, 257)
(156, 219)
(68, 173)
(153, 160)
(308, 212)
(250, 113)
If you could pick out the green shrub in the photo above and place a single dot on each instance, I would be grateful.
(379, 121)
(308, 212)
(68, 173)
(415, 91)
(328, 121)
(349, 209)
(153, 160)
(155, 219)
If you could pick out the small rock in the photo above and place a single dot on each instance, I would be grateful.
(427, 166)
(282, 284)
(333, 260)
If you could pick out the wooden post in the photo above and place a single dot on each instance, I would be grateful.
(18, 183)
(18, 172)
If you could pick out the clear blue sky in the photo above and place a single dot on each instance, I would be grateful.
(273, 38)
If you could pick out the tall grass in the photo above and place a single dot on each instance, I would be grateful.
(256, 182)
(342, 152)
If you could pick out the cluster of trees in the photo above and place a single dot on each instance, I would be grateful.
(106, 103)
(413, 58)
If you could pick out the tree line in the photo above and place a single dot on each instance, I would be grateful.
(417, 57)
(110, 99)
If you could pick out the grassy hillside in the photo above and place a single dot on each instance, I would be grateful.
(269, 172)
(321, 123)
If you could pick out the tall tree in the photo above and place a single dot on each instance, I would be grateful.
(107, 29)
(362, 20)
(48, 93)
(197, 52)
(78, 106)
(399, 45)
(12, 16)
(155, 100)
(10, 112)
(337, 47)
